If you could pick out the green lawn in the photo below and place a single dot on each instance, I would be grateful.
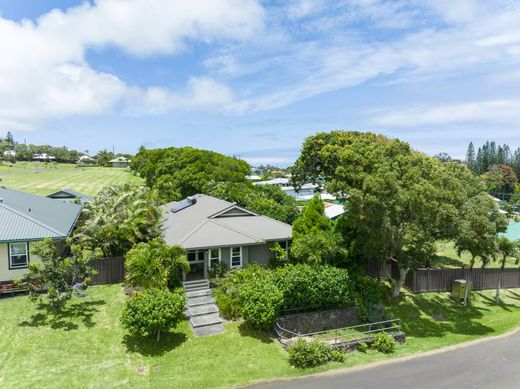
(447, 257)
(88, 180)
(87, 348)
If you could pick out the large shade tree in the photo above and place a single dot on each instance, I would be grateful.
(399, 200)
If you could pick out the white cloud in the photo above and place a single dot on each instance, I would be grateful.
(480, 112)
(44, 73)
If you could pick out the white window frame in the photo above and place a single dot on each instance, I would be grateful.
(11, 265)
(210, 258)
(231, 257)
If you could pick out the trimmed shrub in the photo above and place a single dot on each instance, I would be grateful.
(259, 301)
(226, 292)
(384, 343)
(303, 354)
(151, 311)
(362, 347)
(306, 287)
(302, 287)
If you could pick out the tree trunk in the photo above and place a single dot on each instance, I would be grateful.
(396, 285)
(158, 335)
(499, 285)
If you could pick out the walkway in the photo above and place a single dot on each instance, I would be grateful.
(201, 310)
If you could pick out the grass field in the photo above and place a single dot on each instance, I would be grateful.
(86, 347)
(88, 180)
(447, 257)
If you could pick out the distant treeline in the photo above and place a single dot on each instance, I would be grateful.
(490, 154)
(498, 166)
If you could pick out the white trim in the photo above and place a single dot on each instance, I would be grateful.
(11, 266)
(231, 257)
(212, 259)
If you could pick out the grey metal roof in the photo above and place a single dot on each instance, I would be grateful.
(207, 224)
(25, 216)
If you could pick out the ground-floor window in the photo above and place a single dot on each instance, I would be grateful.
(195, 255)
(214, 257)
(236, 257)
(18, 255)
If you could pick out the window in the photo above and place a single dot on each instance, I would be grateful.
(195, 256)
(214, 257)
(236, 257)
(192, 256)
(18, 255)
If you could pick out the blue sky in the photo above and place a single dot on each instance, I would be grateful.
(254, 78)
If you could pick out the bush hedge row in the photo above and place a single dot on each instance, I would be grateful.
(259, 295)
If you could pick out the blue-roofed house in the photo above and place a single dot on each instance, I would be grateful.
(26, 218)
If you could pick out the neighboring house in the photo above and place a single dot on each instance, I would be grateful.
(213, 230)
(253, 177)
(120, 162)
(303, 194)
(282, 182)
(70, 196)
(26, 218)
(10, 153)
(333, 211)
(44, 157)
(85, 159)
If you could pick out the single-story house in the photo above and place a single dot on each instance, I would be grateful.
(44, 157)
(120, 162)
(10, 153)
(26, 218)
(86, 159)
(70, 195)
(213, 230)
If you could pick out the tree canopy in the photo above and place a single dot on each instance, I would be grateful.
(399, 200)
(187, 169)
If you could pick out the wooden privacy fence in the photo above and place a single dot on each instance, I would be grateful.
(440, 280)
(109, 270)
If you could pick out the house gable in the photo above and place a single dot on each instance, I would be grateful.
(233, 211)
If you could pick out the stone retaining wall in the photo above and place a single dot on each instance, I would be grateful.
(308, 322)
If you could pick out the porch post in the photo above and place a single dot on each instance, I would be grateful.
(206, 264)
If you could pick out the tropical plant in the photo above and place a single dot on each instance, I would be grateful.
(119, 218)
(304, 354)
(58, 274)
(383, 343)
(155, 265)
(152, 311)
(319, 248)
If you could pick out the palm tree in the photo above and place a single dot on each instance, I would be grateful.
(120, 217)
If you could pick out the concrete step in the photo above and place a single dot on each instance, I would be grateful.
(198, 293)
(202, 300)
(195, 283)
(202, 310)
(213, 329)
(193, 289)
(205, 320)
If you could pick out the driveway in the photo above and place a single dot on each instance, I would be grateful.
(493, 363)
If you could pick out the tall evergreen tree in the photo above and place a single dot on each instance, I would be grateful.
(471, 159)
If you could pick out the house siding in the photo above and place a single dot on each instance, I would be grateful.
(7, 274)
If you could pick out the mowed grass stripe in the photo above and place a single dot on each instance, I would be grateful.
(88, 181)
